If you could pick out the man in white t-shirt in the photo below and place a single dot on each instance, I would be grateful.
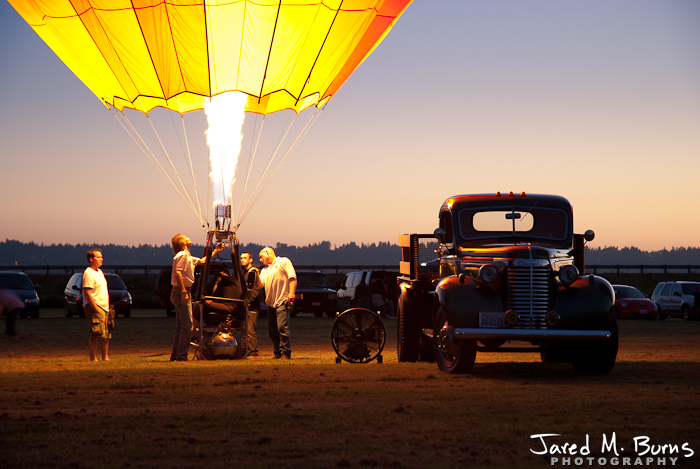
(96, 305)
(182, 280)
(280, 282)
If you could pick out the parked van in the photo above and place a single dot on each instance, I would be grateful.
(675, 299)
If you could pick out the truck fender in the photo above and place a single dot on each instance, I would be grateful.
(462, 298)
(588, 302)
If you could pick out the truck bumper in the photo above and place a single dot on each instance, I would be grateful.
(529, 334)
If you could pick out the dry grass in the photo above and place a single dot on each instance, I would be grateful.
(57, 409)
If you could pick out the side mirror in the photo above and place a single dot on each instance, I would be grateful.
(589, 235)
(37, 287)
(440, 234)
(75, 287)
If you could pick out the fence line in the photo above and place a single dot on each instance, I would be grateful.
(642, 269)
(154, 269)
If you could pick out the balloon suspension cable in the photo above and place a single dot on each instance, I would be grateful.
(156, 136)
(251, 157)
(133, 133)
(309, 123)
(288, 126)
(189, 161)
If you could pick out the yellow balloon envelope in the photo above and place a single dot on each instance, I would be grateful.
(141, 54)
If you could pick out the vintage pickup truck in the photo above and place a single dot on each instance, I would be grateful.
(503, 269)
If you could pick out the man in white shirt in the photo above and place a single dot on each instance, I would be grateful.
(280, 282)
(96, 305)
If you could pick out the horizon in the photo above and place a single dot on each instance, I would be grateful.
(595, 101)
(333, 246)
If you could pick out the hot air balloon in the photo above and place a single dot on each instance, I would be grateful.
(181, 54)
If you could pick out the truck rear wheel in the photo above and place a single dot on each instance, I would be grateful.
(407, 331)
(453, 355)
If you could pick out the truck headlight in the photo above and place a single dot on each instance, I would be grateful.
(568, 274)
(488, 273)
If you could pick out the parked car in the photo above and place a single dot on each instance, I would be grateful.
(119, 296)
(20, 283)
(376, 280)
(630, 303)
(675, 299)
(314, 294)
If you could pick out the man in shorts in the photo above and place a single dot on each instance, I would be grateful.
(96, 305)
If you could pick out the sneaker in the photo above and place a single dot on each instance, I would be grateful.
(286, 356)
(277, 356)
(254, 353)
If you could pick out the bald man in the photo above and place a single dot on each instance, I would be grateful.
(280, 282)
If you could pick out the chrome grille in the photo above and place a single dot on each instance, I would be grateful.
(528, 294)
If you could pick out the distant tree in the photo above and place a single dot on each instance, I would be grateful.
(13, 252)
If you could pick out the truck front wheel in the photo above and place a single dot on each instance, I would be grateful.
(453, 355)
(407, 331)
(597, 357)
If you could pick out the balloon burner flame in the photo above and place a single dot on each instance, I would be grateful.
(225, 117)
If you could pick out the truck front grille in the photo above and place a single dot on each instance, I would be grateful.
(528, 294)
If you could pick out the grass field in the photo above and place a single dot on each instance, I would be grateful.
(58, 409)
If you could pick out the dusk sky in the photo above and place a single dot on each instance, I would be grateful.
(597, 101)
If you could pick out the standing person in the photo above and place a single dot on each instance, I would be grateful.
(252, 299)
(10, 305)
(96, 305)
(182, 279)
(280, 282)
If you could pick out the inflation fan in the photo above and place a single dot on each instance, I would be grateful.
(358, 336)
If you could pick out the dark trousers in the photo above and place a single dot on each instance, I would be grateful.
(252, 331)
(278, 328)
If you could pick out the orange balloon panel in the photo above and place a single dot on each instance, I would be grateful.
(140, 54)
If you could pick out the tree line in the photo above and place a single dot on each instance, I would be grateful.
(13, 252)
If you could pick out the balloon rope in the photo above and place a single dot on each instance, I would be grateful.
(149, 154)
(251, 158)
(189, 160)
(269, 162)
(182, 191)
(300, 136)
(167, 156)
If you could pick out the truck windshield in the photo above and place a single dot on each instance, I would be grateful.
(513, 221)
